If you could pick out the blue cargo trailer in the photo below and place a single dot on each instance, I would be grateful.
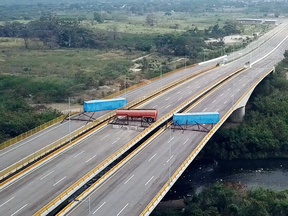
(196, 118)
(99, 105)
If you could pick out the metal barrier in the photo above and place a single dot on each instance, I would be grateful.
(30, 132)
(118, 153)
(18, 165)
(194, 153)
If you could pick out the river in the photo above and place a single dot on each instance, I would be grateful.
(267, 173)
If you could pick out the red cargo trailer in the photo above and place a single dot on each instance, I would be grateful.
(149, 115)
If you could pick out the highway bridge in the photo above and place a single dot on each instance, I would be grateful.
(130, 187)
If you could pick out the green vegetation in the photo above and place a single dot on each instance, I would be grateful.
(264, 132)
(222, 200)
(17, 116)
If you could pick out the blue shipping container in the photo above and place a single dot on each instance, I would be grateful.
(99, 105)
(194, 118)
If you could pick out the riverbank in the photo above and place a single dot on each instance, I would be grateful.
(266, 177)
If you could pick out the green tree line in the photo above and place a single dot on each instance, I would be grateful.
(223, 200)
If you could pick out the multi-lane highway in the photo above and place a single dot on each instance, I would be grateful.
(30, 193)
(16, 152)
(130, 189)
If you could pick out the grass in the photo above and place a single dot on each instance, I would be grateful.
(178, 22)
(16, 60)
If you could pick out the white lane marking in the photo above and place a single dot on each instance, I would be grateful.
(217, 110)
(245, 76)
(105, 137)
(149, 180)
(90, 158)
(180, 98)
(214, 101)
(167, 98)
(225, 102)
(243, 84)
(19, 210)
(99, 207)
(234, 83)
(232, 95)
(185, 141)
(178, 92)
(116, 140)
(198, 86)
(169, 159)
(222, 94)
(59, 181)
(205, 109)
(154, 106)
(167, 106)
(238, 90)
(119, 132)
(188, 86)
(170, 139)
(206, 82)
(79, 154)
(240, 80)
(228, 89)
(6, 202)
(152, 157)
(128, 179)
(45, 176)
(122, 209)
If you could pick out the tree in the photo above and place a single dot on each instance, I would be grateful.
(151, 19)
(98, 17)
(113, 30)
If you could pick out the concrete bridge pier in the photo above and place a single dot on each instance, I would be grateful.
(238, 115)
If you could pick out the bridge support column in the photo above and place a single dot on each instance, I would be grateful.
(238, 115)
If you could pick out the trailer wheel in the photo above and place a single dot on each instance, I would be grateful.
(150, 120)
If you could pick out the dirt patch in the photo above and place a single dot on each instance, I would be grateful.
(63, 107)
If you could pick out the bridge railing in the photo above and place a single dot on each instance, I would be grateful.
(149, 208)
(32, 131)
(100, 167)
(60, 198)
(44, 151)
(146, 82)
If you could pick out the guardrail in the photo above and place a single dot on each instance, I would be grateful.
(146, 82)
(149, 208)
(30, 132)
(64, 195)
(18, 165)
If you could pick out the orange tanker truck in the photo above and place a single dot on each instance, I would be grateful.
(148, 115)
